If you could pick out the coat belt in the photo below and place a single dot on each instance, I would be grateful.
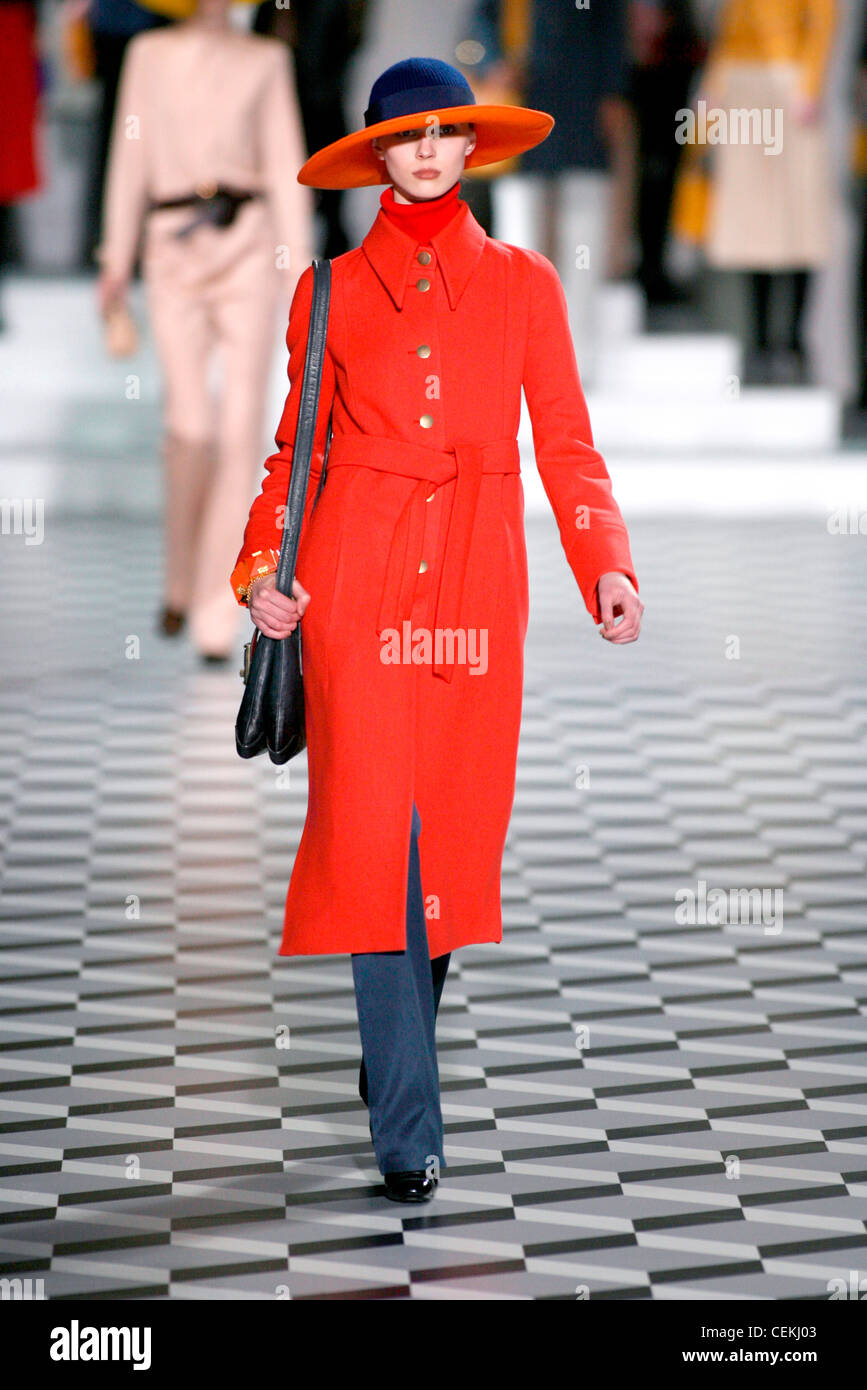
(464, 461)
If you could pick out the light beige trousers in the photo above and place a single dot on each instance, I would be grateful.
(768, 211)
(215, 291)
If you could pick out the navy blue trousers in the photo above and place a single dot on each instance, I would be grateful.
(398, 995)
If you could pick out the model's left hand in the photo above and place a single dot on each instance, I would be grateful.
(617, 597)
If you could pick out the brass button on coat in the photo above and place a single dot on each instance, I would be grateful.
(422, 285)
(423, 350)
(422, 567)
(424, 257)
(426, 422)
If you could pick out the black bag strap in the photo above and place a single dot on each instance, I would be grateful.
(305, 433)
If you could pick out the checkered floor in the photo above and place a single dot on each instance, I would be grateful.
(638, 1104)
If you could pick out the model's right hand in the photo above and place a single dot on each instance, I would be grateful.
(275, 614)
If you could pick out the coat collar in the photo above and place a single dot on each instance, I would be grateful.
(458, 245)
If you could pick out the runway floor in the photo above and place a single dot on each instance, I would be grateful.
(636, 1107)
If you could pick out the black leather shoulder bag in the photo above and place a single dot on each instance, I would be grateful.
(272, 709)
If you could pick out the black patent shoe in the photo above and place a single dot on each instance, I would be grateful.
(413, 1186)
(362, 1081)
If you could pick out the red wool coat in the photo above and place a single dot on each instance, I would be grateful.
(414, 556)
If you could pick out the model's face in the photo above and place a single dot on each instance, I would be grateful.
(424, 161)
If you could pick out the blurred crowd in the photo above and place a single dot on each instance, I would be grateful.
(614, 193)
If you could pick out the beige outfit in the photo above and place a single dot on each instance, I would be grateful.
(196, 107)
(770, 211)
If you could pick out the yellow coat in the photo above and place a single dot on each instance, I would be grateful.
(775, 31)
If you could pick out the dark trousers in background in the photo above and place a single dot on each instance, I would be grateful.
(861, 303)
(398, 995)
(657, 92)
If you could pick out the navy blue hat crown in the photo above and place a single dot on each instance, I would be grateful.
(417, 84)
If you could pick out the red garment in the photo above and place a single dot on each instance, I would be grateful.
(19, 173)
(419, 527)
(422, 220)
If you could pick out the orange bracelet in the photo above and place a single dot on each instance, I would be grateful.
(244, 571)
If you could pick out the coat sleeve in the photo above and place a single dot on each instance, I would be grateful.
(125, 194)
(264, 529)
(573, 472)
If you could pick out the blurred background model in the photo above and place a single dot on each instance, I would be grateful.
(205, 141)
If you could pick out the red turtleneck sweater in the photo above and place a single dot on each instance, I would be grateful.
(424, 219)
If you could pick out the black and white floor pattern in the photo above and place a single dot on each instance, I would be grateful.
(638, 1104)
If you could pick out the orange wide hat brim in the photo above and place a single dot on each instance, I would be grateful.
(178, 9)
(501, 132)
